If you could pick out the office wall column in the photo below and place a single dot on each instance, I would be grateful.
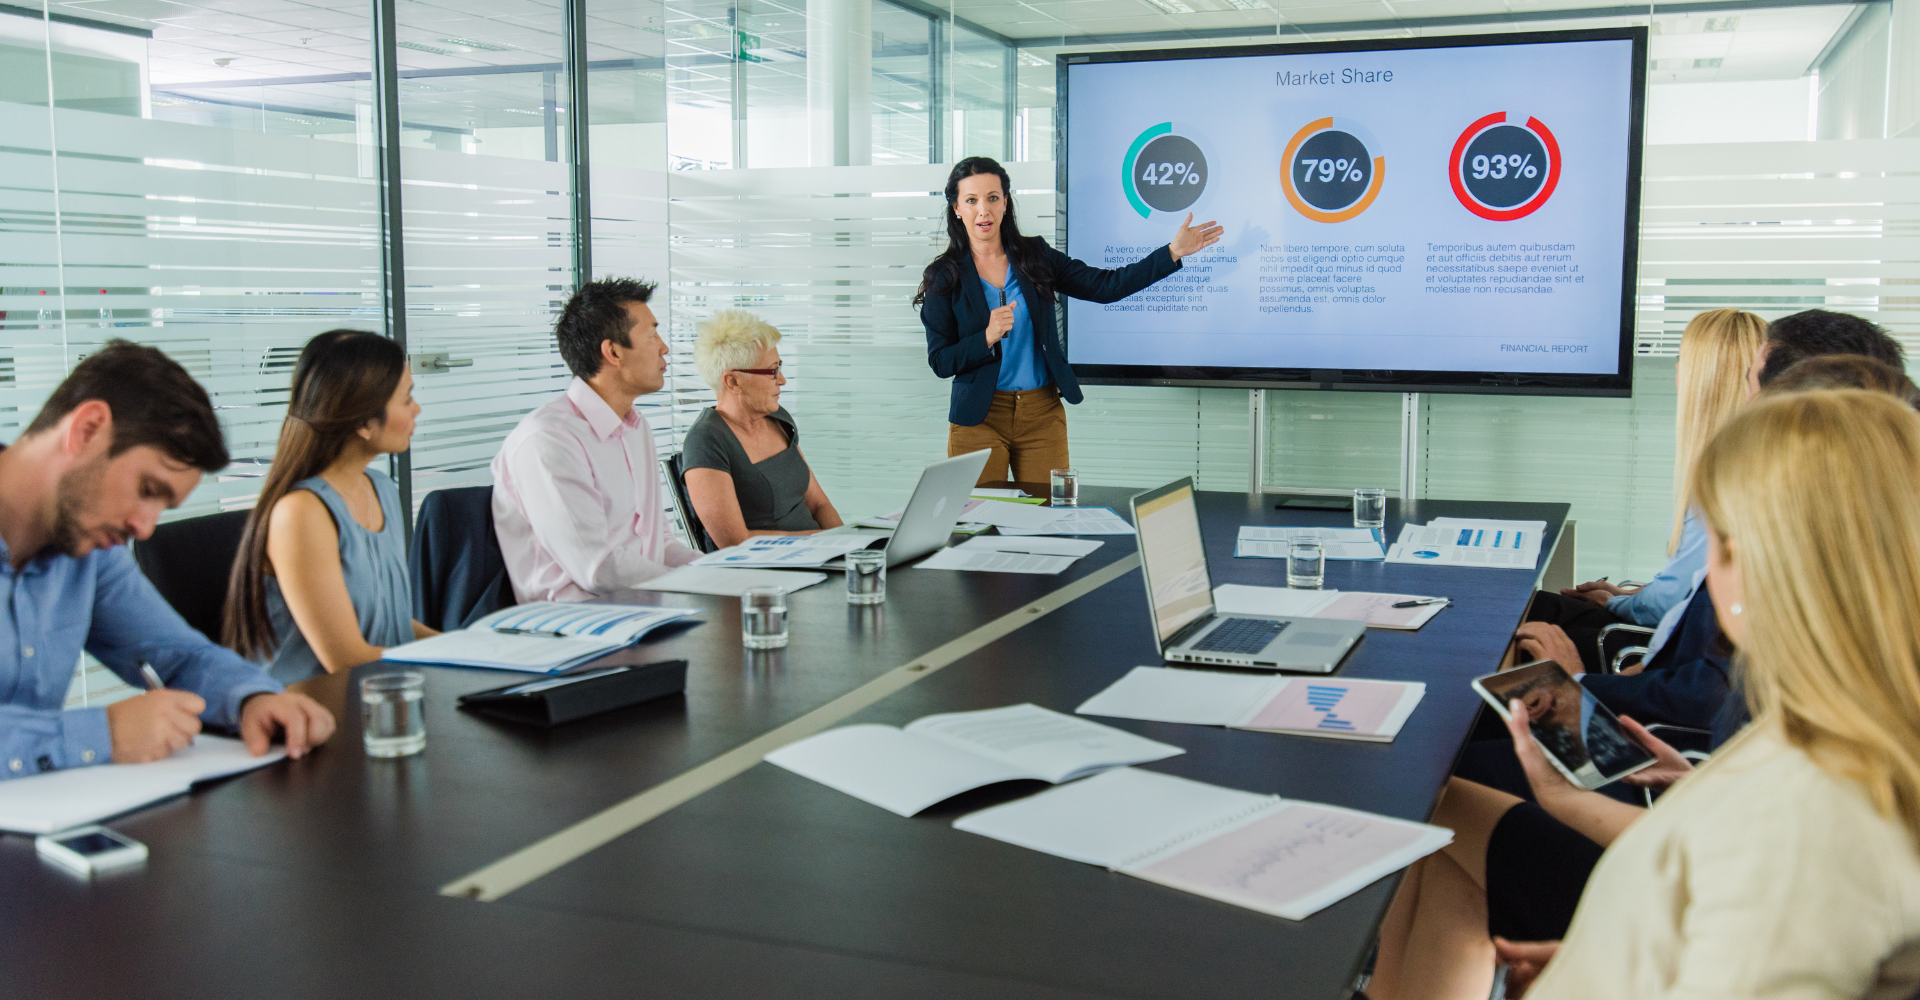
(938, 100)
(580, 202)
(393, 269)
(839, 83)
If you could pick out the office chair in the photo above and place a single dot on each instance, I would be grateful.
(1617, 651)
(690, 525)
(459, 575)
(189, 562)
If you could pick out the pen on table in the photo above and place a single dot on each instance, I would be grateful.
(152, 676)
(528, 631)
(1424, 600)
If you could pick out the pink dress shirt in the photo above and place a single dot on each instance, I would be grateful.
(577, 504)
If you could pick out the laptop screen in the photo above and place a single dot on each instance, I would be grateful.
(1173, 559)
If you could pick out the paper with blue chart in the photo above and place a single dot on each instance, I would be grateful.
(1344, 709)
(540, 637)
(1459, 541)
(786, 551)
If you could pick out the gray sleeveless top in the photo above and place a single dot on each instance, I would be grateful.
(375, 565)
(773, 491)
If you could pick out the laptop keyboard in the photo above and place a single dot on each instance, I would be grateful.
(1239, 635)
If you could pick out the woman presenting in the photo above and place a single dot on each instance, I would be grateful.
(987, 303)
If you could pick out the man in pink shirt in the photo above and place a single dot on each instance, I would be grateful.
(576, 490)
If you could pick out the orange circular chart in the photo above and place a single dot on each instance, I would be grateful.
(1332, 170)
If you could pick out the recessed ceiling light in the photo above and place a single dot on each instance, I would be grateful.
(1172, 6)
(417, 47)
(1249, 4)
(481, 46)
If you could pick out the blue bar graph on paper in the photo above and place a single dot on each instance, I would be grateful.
(1325, 698)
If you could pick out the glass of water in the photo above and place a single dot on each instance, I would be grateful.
(393, 715)
(1066, 487)
(1369, 508)
(866, 576)
(1306, 564)
(763, 618)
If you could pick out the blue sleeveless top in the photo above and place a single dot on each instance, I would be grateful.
(375, 565)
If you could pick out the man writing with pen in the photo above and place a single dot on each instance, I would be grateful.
(127, 435)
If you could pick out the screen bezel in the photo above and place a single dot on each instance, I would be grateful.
(1134, 504)
(1618, 384)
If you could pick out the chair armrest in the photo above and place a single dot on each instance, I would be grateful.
(1624, 631)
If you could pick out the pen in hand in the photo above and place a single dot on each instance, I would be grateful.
(152, 677)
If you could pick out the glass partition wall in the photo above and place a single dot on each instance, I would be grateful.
(207, 180)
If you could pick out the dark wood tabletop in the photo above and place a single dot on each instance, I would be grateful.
(320, 877)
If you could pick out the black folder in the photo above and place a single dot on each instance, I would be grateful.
(550, 701)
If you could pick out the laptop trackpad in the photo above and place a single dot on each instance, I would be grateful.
(1325, 640)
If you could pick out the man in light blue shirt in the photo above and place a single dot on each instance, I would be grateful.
(126, 436)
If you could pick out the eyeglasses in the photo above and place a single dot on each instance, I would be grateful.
(775, 370)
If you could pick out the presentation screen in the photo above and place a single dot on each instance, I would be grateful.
(1428, 215)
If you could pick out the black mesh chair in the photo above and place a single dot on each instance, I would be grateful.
(675, 475)
(189, 563)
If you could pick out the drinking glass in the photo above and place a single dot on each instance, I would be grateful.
(866, 576)
(393, 715)
(763, 618)
(1306, 564)
(1369, 508)
(1066, 487)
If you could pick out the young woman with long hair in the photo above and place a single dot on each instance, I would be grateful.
(1716, 350)
(320, 582)
(987, 302)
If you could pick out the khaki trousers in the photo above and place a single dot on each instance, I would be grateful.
(1025, 430)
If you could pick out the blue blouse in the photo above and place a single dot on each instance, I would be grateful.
(1020, 366)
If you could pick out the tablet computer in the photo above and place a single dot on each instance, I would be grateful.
(1582, 737)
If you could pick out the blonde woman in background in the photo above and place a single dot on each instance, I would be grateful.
(1716, 351)
(1785, 866)
(745, 473)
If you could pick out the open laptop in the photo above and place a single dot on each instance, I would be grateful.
(931, 513)
(1173, 561)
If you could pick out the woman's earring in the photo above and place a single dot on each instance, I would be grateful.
(1735, 609)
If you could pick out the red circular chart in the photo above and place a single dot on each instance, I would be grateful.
(1503, 172)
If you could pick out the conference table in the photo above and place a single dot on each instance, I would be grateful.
(645, 852)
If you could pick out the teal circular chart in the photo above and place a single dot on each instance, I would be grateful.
(1164, 171)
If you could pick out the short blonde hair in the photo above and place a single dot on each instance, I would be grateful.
(729, 339)
(1815, 491)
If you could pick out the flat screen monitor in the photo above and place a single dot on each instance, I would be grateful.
(1451, 214)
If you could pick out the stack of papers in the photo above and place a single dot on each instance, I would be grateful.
(1288, 858)
(730, 582)
(1363, 544)
(1377, 610)
(1001, 513)
(1045, 556)
(937, 757)
(1343, 709)
(1461, 541)
(62, 800)
(545, 637)
(1078, 521)
(787, 551)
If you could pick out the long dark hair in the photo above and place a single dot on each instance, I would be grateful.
(944, 273)
(344, 379)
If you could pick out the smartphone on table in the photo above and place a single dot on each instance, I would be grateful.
(1582, 737)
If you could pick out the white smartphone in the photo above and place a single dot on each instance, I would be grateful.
(1582, 737)
(90, 850)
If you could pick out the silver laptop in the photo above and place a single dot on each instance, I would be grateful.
(931, 513)
(1173, 561)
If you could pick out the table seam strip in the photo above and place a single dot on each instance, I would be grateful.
(558, 849)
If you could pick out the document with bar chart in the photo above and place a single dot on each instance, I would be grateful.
(1343, 709)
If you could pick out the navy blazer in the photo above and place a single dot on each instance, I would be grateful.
(1686, 684)
(956, 322)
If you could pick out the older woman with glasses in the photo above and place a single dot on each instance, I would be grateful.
(745, 473)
